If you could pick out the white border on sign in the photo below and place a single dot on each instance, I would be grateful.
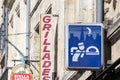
(67, 44)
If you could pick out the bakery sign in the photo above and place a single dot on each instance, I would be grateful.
(47, 45)
(20, 73)
(19, 76)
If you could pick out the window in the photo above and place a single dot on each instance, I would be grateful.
(11, 21)
(3, 62)
(114, 4)
(35, 8)
(108, 1)
(18, 10)
(37, 28)
(49, 10)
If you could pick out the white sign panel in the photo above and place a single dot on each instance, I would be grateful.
(47, 46)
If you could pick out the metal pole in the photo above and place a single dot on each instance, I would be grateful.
(99, 11)
(6, 33)
(99, 18)
(28, 30)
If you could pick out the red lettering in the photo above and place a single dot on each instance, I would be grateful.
(46, 56)
(46, 64)
(46, 72)
(47, 19)
(46, 34)
(47, 27)
(46, 78)
(45, 42)
(45, 49)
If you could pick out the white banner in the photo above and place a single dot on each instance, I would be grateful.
(47, 45)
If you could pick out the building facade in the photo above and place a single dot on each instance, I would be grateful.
(13, 38)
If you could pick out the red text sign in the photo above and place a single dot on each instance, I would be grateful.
(17, 76)
(47, 46)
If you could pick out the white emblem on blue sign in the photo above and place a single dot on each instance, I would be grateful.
(80, 52)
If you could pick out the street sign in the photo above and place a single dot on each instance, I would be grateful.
(84, 46)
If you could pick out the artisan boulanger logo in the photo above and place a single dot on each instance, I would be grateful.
(21, 73)
(21, 76)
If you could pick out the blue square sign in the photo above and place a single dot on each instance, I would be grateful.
(84, 46)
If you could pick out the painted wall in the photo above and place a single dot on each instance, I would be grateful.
(112, 13)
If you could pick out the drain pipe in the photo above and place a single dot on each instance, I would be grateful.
(99, 11)
(27, 56)
(6, 33)
(99, 17)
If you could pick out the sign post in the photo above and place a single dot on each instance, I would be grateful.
(84, 46)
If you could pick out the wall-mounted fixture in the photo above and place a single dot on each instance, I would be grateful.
(108, 1)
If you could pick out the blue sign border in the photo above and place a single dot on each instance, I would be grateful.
(67, 45)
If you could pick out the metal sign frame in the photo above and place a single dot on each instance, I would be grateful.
(67, 47)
